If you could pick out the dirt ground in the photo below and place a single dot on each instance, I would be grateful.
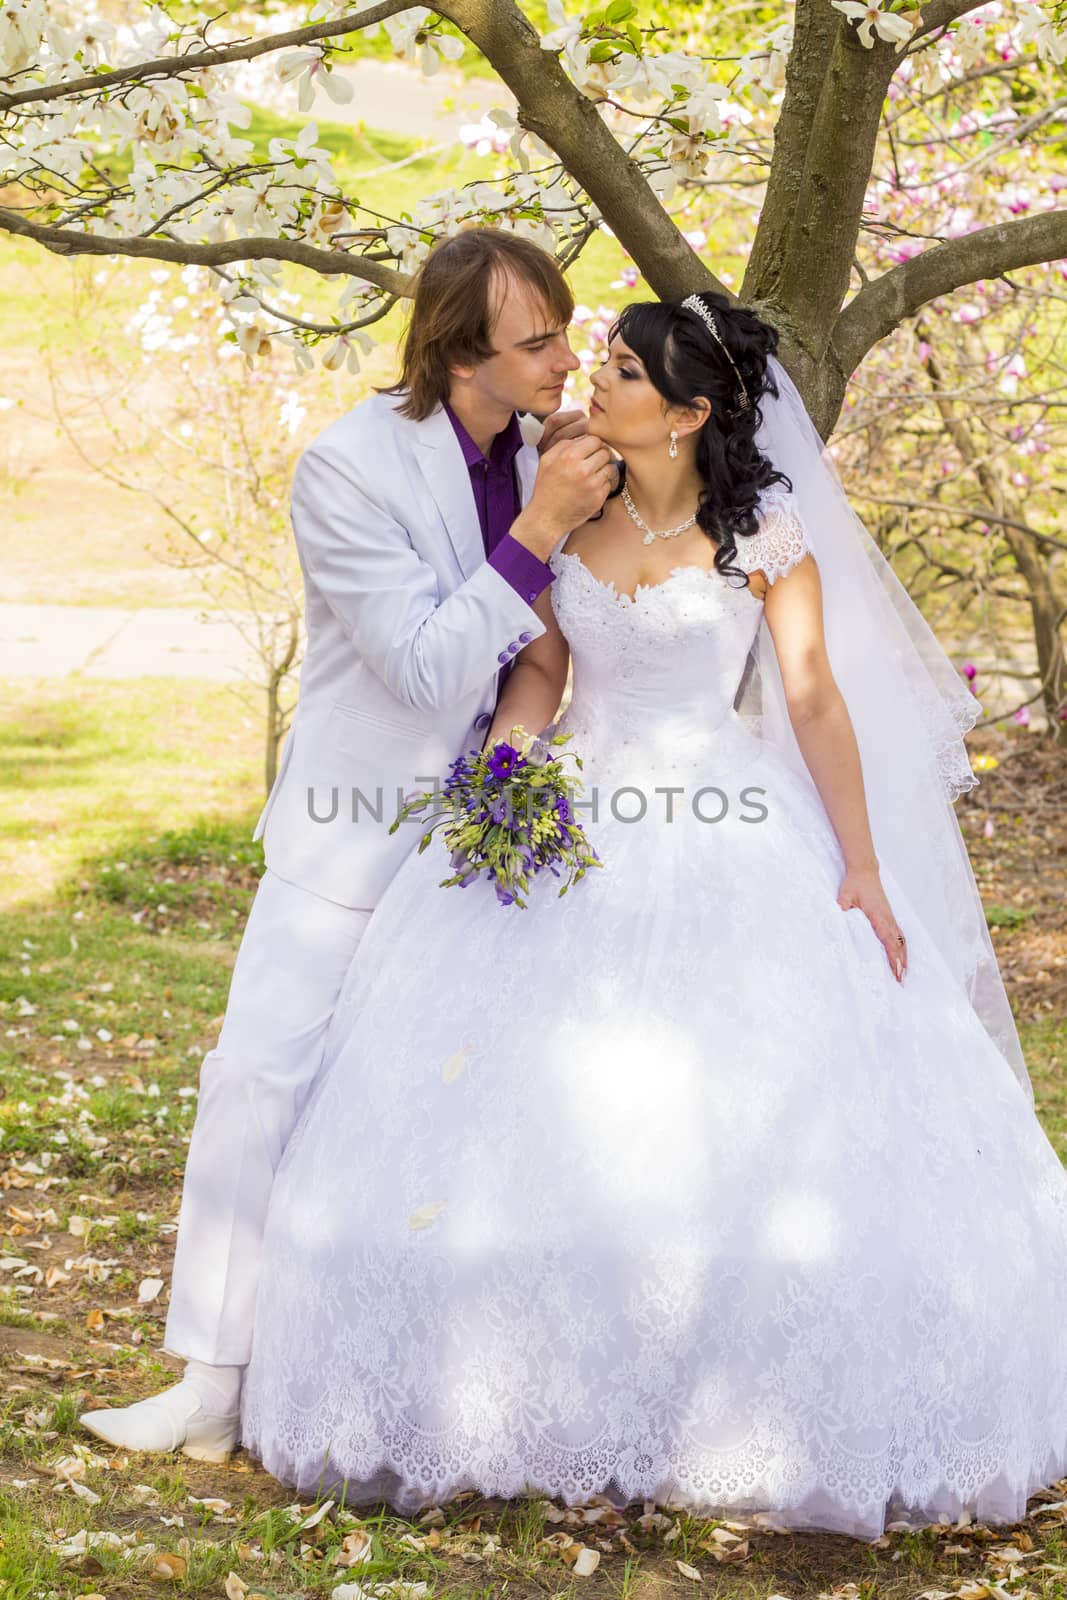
(1021, 869)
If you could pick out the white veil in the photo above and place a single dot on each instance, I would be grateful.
(908, 705)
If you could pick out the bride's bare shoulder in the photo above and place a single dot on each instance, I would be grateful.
(587, 536)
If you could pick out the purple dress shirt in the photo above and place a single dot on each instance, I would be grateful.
(496, 496)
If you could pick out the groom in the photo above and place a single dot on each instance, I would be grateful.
(423, 524)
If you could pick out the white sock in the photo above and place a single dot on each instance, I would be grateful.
(219, 1388)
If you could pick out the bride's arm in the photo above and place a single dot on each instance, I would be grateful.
(534, 686)
(823, 728)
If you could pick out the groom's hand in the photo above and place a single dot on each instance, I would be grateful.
(562, 425)
(569, 425)
(573, 481)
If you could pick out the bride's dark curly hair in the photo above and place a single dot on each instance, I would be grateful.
(683, 361)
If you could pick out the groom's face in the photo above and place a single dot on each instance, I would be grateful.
(532, 354)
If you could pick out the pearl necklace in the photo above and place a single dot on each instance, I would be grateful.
(649, 533)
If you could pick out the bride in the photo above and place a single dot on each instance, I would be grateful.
(717, 1181)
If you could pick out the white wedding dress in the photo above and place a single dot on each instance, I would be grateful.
(666, 1188)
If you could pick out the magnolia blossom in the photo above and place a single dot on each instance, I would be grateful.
(409, 38)
(356, 288)
(292, 410)
(303, 360)
(761, 71)
(259, 208)
(23, 26)
(688, 155)
(307, 69)
(969, 42)
(1035, 27)
(566, 30)
(304, 155)
(253, 339)
(566, 36)
(887, 24)
(485, 137)
(703, 108)
(79, 47)
(345, 350)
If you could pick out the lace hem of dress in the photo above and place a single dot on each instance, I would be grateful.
(771, 1477)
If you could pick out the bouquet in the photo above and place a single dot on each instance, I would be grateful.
(510, 814)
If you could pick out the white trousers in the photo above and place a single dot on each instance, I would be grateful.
(286, 982)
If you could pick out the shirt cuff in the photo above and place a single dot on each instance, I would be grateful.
(527, 573)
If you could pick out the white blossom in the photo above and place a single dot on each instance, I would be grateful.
(887, 24)
(307, 69)
(1035, 27)
(304, 153)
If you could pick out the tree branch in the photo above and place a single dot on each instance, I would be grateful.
(174, 66)
(827, 206)
(969, 513)
(329, 263)
(986, 253)
(805, 71)
(939, 14)
(565, 119)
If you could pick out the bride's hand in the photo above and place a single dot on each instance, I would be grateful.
(864, 890)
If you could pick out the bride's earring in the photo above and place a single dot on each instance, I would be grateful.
(672, 448)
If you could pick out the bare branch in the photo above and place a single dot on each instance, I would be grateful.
(939, 14)
(969, 513)
(986, 253)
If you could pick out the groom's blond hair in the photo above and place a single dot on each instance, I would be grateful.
(453, 310)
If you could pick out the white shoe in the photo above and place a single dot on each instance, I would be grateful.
(173, 1420)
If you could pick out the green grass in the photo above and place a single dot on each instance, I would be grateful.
(1006, 916)
(95, 769)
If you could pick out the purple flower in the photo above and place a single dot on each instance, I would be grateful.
(505, 896)
(504, 759)
(970, 670)
(563, 809)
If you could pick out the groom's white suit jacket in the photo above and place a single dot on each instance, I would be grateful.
(408, 625)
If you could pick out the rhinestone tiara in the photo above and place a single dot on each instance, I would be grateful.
(693, 302)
